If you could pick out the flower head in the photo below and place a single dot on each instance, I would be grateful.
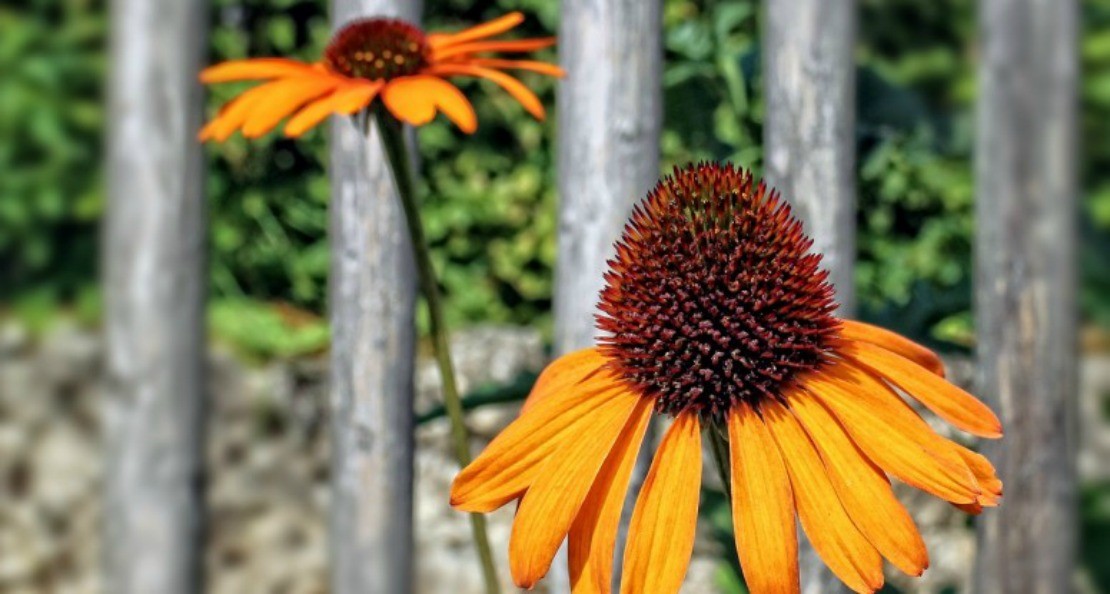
(713, 298)
(371, 58)
(716, 315)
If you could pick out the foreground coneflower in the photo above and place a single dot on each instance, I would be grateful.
(371, 58)
(716, 315)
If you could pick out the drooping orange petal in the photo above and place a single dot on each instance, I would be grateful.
(835, 538)
(563, 374)
(863, 489)
(593, 535)
(762, 506)
(661, 535)
(988, 482)
(497, 26)
(529, 65)
(891, 434)
(414, 99)
(345, 100)
(514, 87)
(949, 402)
(984, 473)
(973, 509)
(227, 121)
(894, 342)
(254, 69)
(508, 46)
(232, 116)
(551, 503)
(513, 460)
(288, 95)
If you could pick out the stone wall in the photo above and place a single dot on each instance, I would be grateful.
(268, 454)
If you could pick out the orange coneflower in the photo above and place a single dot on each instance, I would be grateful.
(376, 57)
(716, 315)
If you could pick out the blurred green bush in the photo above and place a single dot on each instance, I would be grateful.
(490, 199)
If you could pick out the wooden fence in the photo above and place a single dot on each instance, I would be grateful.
(154, 288)
(608, 155)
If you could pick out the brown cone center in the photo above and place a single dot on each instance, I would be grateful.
(713, 297)
(377, 49)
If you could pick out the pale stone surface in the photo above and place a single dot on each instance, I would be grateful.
(269, 453)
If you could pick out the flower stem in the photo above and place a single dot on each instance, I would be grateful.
(719, 446)
(394, 143)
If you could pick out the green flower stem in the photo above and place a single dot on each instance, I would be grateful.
(394, 143)
(719, 446)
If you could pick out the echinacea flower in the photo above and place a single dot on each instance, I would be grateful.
(716, 315)
(372, 58)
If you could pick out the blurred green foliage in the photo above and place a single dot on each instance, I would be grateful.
(52, 63)
(489, 199)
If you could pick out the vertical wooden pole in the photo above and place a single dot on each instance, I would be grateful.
(610, 118)
(809, 150)
(154, 292)
(1026, 288)
(373, 295)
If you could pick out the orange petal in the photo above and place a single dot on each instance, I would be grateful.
(488, 29)
(551, 503)
(593, 535)
(511, 85)
(973, 509)
(563, 374)
(863, 489)
(942, 397)
(529, 65)
(414, 99)
(287, 96)
(254, 69)
(513, 460)
(835, 538)
(984, 473)
(232, 116)
(762, 506)
(891, 434)
(661, 535)
(346, 100)
(510, 46)
(894, 342)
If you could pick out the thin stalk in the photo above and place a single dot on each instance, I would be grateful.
(394, 143)
(719, 446)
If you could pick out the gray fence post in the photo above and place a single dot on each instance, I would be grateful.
(154, 292)
(809, 150)
(373, 295)
(1026, 288)
(610, 120)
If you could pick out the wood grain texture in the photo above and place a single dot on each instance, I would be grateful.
(372, 300)
(154, 287)
(1026, 288)
(610, 116)
(809, 151)
(809, 131)
(610, 120)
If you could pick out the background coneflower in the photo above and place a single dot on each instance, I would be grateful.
(717, 315)
(407, 68)
(371, 58)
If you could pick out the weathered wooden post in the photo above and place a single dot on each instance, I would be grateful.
(373, 295)
(1026, 288)
(610, 118)
(809, 149)
(154, 292)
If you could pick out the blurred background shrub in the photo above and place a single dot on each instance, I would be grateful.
(490, 199)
